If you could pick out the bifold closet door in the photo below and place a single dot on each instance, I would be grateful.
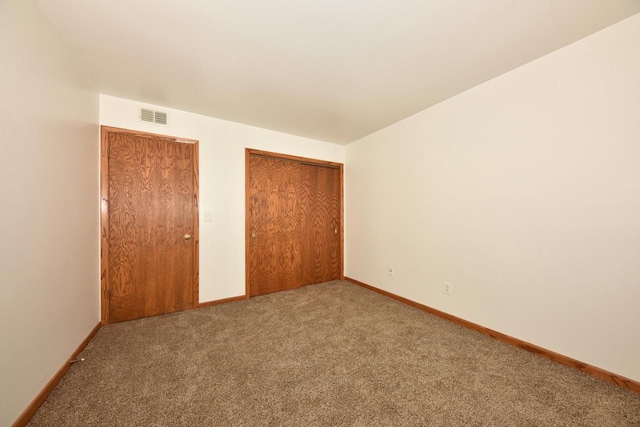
(321, 231)
(294, 224)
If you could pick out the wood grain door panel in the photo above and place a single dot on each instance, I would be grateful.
(323, 226)
(276, 223)
(293, 223)
(152, 193)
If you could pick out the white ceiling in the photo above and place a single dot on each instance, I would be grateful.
(333, 70)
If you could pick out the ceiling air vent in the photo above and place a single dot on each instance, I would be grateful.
(152, 116)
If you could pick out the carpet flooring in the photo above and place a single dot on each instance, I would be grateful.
(332, 354)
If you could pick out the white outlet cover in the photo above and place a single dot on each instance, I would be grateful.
(447, 288)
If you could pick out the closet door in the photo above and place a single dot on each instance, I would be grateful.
(294, 233)
(321, 233)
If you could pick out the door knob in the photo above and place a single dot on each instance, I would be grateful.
(187, 236)
(253, 234)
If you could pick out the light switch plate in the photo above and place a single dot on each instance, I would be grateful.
(207, 217)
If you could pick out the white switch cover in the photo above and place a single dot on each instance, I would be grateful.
(207, 217)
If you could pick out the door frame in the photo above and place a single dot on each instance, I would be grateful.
(105, 131)
(304, 160)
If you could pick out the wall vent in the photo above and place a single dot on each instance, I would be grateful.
(152, 116)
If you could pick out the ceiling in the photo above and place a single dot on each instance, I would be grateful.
(333, 70)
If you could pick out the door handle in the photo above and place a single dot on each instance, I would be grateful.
(187, 236)
(253, 234)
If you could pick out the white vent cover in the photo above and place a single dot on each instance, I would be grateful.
(152, 116)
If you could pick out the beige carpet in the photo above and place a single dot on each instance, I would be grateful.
(332, 354)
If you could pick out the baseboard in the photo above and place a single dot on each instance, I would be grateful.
(222, 301)
(26, 415)
(556, 357)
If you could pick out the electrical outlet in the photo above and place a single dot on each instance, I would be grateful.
(390, 271)
(447, 288)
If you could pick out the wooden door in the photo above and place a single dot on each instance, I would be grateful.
(150, 229)
(294, 222)
(321, 236)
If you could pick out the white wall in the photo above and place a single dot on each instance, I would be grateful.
(222, 191)
(524, 193)
(49, 277)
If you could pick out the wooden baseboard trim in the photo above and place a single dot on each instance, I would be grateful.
(222, 301)
(26, 415)
(548, 354)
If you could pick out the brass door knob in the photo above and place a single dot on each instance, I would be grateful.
(253, 234)
(187, 236)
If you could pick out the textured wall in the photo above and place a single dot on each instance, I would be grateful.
(524, 193)
(49, 277)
